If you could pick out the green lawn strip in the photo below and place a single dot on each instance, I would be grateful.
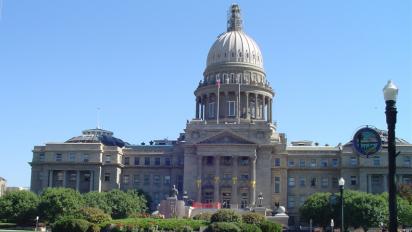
(165, 224)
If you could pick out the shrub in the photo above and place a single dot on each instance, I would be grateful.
(268, 226)
(225, 215)
(249, 227)
(184, 229)
(19, 207)
(94, 215)
(223, 227)
(253, 218)
(71, 225)
(93, 228)
(162, 224)
(203, 216)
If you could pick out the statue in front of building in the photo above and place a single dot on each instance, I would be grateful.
(174, 192)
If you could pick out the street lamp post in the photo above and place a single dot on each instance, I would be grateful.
(390, 93)
(342, 186)
(332, 224)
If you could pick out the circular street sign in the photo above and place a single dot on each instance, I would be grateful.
(367, 141)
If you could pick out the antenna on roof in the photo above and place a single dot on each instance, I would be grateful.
(98, 118)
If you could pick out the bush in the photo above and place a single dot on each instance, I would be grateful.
(268, 226)
(94, 215)
(223, 227)
(93, 228)
(203, 216)
(225, 215)
(162, 224)
(249, 227)
(253, 218)
(184, 229)
(71, 225)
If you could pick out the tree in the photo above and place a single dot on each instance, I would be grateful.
(124, 204)
(19, 207)
(97, 200)
(405, 191)
(404, 213)
(318, 208)
(58, 202)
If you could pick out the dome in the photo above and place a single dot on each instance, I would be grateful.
(235, 45)
(97, 136)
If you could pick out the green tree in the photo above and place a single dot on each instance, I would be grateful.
(19, 207)
(404, 213)
(124, 204)
(225, 215)
(318, 208)
(97, 200)
(59, 202)
(405, 191)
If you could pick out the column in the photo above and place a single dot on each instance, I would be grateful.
(238, 105)
(197, 107)
(199, 179)
(256, 106)
(78, 180)
(50, 178)
(369, 178)
(247, 105)
(253, 180)
(202, 106)
(263, 107)
(217, 179)
(64, 178)
(270, 111)
(92, 180)
(385, 182)
(235, 197)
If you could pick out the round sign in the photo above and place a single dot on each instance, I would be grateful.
(367, 141)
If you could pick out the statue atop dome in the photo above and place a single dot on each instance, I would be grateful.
(234, 21)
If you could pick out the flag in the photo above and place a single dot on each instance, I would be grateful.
(218, 83)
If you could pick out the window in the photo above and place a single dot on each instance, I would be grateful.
(60, 176)
(291, 181)
(211, 109)
(302, 200)
(353, 161)
(157, 161)
(313, 163)
(232, 108)
(209, 160)
(59, 157)
(126, 160)
(73, 176)
(313, 182)
(156, 179)
(335, 163)
(40, 176)
(376, 161)
(72, 156)
(291, 163)
(407, 161)
(334, 182)
(277, 162)
(291, 202)
(108, 159)
(324, 182)
(166, 180)
(277, 184)
(227, 160)
(136, 180)
(146, 179)
(324, 163)
(244, 176)
(107, 177)
(227, 176)
(85, 157)
(146, 161)
(302, 181)
(353, 180)
(41, 157)
(136, 161)
(244, 161)
(126, 179)
(168, 162)
(302, 163)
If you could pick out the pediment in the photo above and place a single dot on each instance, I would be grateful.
(225, 137)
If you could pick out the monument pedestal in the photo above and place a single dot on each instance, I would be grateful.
(172, 208)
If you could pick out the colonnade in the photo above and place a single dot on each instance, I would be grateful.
(234, 182)
(252, 105)
(63, 181)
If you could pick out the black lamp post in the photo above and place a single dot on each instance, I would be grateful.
(390, 92)
(342, 186)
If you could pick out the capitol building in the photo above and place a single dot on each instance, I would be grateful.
(229, 153)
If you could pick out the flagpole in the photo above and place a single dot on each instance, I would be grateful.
(218, 94)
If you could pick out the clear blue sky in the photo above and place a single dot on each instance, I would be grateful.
(140, 61)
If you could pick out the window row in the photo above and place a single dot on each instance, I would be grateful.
(71, 157)
(311, 163)
(314, 182)
(138, 180)
(157, 161)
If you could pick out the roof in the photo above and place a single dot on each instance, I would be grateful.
(97, 136)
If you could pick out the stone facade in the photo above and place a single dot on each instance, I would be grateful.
(3, 183)
(229, 153)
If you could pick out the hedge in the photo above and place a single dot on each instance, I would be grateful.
(223, 227)
(162, 224)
